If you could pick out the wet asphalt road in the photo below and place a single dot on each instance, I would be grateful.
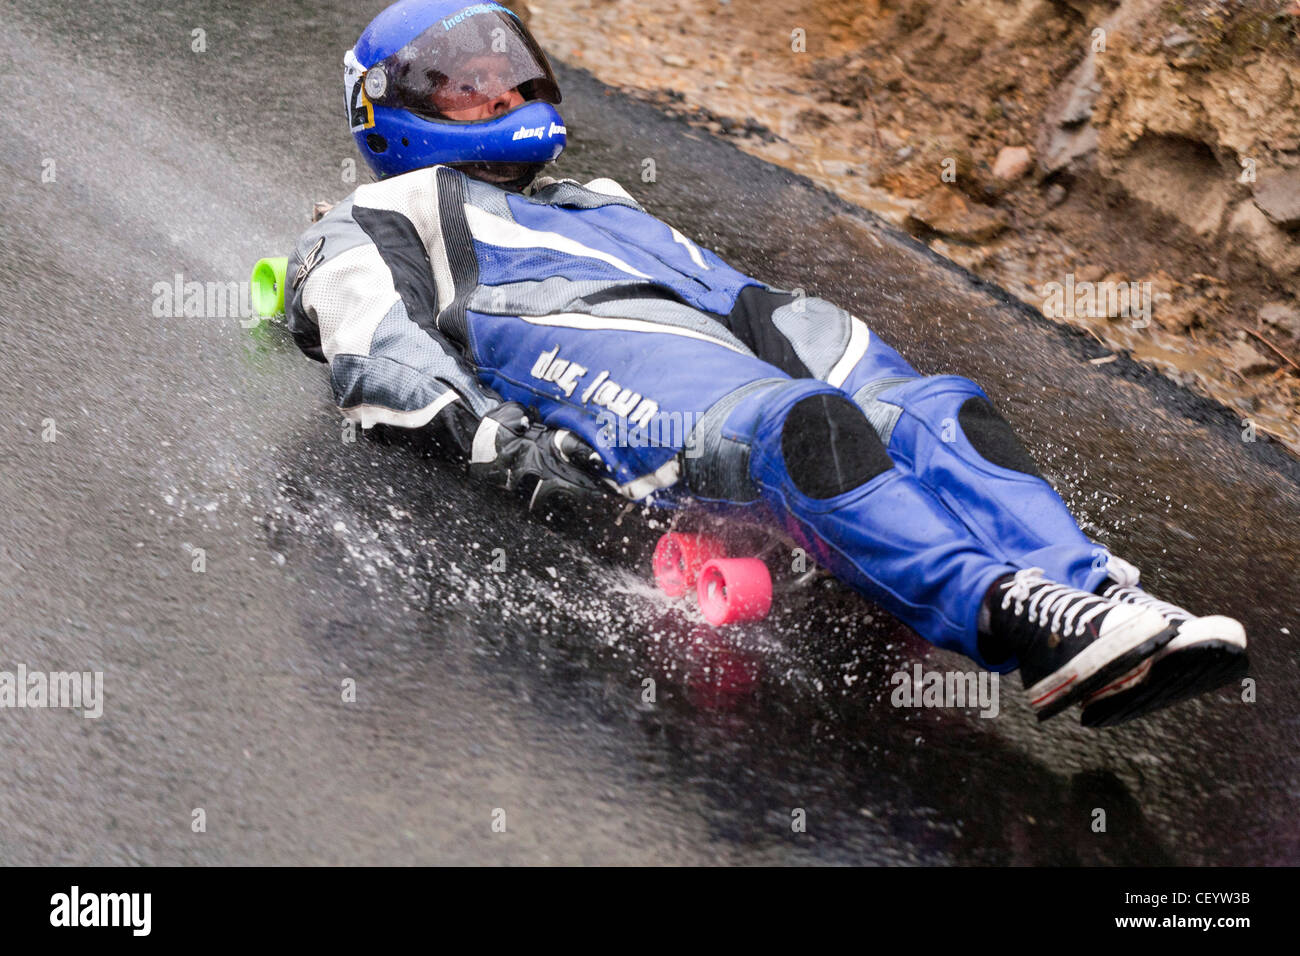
(520, 691)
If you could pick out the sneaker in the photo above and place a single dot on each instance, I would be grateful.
(1070, 643)
(1205, 653)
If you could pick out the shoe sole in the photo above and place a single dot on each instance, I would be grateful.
(1197, 668)
(1068, 686)
(1191, 632)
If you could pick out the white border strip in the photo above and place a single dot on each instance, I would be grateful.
(859, 338)
(581, 320)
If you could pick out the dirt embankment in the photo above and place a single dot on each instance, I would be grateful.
(1132, 168)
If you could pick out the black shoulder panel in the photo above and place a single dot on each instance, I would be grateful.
(403, 251)
(459, 244)
(751, 322)
(306, 334)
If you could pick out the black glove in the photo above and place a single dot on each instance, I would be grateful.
(514, 452)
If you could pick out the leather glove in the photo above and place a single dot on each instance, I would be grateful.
(516, 453)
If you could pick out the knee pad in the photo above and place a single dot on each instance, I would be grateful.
(953, 440)
(955, 407)
(782, 432)
(992, 436)
(829, 446)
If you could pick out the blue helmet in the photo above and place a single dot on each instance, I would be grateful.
(445, 82)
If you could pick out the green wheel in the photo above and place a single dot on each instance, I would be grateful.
(267, 284)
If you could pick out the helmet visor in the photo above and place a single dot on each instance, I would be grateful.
(462, 64)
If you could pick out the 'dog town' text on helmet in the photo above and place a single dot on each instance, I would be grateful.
(445, 82)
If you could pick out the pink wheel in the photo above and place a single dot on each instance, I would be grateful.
(679, 557)
(734, 589)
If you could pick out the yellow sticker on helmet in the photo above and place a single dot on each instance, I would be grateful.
(370, 107)
(361, 112)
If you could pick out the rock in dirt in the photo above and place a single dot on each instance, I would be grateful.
(1012, 162)
(1248, 360)
(1065, 136)
(1278, 196)
(1274, 247)
(1281, 316)
(949, 213)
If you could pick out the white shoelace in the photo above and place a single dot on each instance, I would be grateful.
(1135, 596)
(1045, 596)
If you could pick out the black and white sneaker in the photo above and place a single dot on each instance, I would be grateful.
(1070, 642)
(1205, 653)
